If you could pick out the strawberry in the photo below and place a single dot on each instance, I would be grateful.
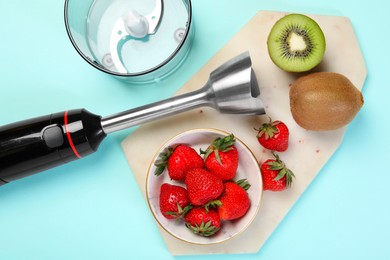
(221, 157)
(202, 186)
(273, 136)
(276, 176)
(234, 202)
(203, 222)
(174, 202)
(178, 161)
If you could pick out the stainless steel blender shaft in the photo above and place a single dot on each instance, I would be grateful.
(153, 111)
(231, 89)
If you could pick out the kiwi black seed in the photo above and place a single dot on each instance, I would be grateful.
(296, 43)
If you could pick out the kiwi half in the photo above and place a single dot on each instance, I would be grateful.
(296, 43)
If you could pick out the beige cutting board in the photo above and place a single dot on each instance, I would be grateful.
(308, 151)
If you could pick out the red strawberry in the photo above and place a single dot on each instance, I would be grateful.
(221, 157)
(174, 202)
(273, 136)
(276, 176)
(234, 201)
(202, 186)
(203, 222)
(178, 161)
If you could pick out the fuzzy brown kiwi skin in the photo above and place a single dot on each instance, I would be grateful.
(324, 101)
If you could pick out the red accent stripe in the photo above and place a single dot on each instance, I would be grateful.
(70, 137)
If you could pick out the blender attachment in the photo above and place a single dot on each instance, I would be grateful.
(231, 89)
(41, 143)
(132, 26)
(140, 41)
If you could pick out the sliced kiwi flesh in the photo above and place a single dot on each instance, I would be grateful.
(296, 43)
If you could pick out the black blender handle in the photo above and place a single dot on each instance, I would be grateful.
(41, 143)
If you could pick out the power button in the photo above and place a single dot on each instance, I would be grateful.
(53, 136)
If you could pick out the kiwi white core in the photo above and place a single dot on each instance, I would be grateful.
(296, 42)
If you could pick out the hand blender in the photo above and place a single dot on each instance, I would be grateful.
(37, 144)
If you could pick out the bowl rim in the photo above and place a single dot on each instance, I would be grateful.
(210, 130)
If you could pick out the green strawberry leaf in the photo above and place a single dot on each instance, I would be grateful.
(281, 174)
(280, 166)
(162, 162)
(289, 178)
(225, 144)
(203, 229)
(218, 157)
(275, 166)
(180, 213)
(268, 129)
(220, 144)
(213, 203)
(243, 183)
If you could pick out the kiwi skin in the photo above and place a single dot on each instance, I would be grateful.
(324, 101)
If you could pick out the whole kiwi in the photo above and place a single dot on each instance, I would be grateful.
(324, 101)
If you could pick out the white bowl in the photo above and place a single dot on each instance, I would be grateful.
(248, 168)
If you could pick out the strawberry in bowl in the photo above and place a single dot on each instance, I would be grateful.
(224, 193)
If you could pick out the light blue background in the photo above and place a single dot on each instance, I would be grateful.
(93, 208)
